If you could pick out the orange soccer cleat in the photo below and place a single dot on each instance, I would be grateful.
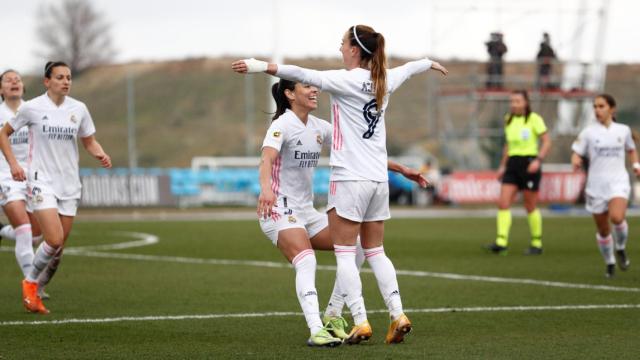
(398, 329)
(30, 298)
(359, 333)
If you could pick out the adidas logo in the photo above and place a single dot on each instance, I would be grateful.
(299, 143)
(45, 118)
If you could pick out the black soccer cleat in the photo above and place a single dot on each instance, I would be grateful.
(623, 260)
(532, 250)
(611, 271)
(496, 249)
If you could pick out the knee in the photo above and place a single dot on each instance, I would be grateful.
(55, 242)
(617, 219)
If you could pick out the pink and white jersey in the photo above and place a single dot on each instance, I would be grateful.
(605, 147)
(299, 148)
(19, 142)
(359, 150)
(53, 147)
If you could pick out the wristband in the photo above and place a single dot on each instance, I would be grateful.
(636, 165)
(256, 66)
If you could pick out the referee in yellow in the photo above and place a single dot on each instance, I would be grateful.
(520, 170)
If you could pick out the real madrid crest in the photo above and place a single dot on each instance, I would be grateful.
(292, 219)
(73, 119)
(277, 134)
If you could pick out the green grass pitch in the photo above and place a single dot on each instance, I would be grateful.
(177, 277)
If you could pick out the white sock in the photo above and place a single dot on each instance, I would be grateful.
(47, 274)
(8, 233)
(37, 240)
(24, 250)
(336, 301)
(387, 281)
(606, 248)
(622, 234)
(305, 265)
(349, 282)
(43, 256)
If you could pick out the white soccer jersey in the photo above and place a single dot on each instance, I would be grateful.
(605, 147)
(359, 149)
(299, 148)
(53, 148)
(19, 142)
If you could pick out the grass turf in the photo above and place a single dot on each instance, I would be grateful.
(95, 288)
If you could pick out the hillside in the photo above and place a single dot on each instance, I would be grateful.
(195, 107)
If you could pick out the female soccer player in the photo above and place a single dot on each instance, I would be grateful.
(604, 143)
(55, 121)
(13, 194)
(520, 170)
(359, 190)
(290, 154)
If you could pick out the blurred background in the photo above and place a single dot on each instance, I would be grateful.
(185, 131)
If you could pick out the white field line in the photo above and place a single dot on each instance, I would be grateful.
(272, 264)
(290, 313)
(144, 239)
(149, 239)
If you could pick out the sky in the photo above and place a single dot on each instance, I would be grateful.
(144, 30)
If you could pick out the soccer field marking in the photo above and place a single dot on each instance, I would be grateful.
(273, 264)
(144, 239)
(478, 309)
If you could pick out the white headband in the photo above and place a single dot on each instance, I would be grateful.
(355, 35)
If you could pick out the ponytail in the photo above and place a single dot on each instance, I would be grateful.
(379, 71)
(277, 91)
(371, 44)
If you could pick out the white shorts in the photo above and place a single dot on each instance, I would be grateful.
(41, 197)
(283, 218)
(597, 202)
(360, 201)
(11, 190)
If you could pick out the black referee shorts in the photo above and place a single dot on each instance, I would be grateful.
(516, 173)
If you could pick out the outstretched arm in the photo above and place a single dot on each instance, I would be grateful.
(409, 173)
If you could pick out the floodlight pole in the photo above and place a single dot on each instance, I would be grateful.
(276, 56)
(131, 122)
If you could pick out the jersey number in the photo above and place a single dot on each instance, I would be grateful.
(372, 117)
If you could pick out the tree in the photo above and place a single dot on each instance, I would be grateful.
(74, 32)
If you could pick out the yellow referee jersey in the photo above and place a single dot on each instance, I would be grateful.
(522, 137)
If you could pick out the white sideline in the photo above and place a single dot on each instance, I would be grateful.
(281, 314)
